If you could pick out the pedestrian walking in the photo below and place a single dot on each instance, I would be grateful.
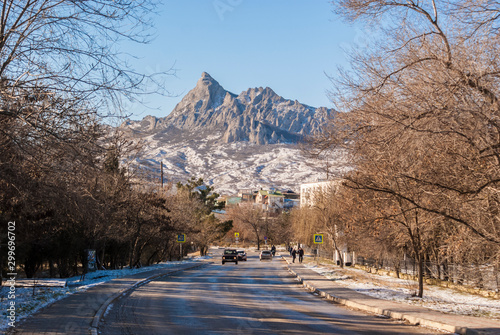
(301, 255)
(294, 255)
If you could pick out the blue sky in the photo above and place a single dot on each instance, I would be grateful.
(287, 45)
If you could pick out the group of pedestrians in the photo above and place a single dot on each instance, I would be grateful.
(294, 252)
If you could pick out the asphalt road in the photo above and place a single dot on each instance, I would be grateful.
(252, 297)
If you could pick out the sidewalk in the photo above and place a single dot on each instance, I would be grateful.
(414, 314)
(79, 313)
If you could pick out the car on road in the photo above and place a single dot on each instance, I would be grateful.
(242, 255)
(266, 254)
(230, 255)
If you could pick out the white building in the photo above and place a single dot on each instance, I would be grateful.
(270, 200)
(310, 191)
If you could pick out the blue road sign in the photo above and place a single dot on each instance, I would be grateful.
(318, 238)
(181, 238)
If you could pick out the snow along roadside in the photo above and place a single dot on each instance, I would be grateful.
(401, 290)
(28, 304)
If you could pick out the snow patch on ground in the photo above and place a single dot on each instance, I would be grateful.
(29, 300)
(401, 290)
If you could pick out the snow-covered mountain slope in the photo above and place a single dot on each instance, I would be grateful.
(232, 166)
(233, 141)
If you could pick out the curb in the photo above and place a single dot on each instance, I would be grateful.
(389, 313)
(100, 312)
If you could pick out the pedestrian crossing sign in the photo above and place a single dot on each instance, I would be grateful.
(318, 238)
(236, 235)
(181, 238)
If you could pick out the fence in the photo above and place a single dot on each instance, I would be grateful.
(486, 277)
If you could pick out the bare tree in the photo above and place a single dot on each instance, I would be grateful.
(426, 103)
(250, 216)
(60, 71)
(420, 110)
(323, 214)
(418, 115)
(71, 48)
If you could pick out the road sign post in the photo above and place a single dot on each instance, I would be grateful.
(181, 238)
(318, 239)
(91, 263)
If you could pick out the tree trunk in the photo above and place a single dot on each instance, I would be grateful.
(150, 259)
(134, 247)
(420, 293)
(397, 267)
(31, 264)
(103, 255)
(339, 253)
(52, 269)
(203, 251)
(258, 239)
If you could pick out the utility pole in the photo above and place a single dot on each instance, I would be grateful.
(161, 174)
(327, 170)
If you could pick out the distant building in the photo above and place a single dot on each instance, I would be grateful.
(232, 201)
(275, 202)
(310, 191)
(260, 197)
(229, 200)
(271, 201)
(246, 195)
(291, 203)
(289, 194)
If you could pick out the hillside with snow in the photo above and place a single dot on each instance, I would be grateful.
(250, 140)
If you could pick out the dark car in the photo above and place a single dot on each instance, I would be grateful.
(230, 255)
(242, 255)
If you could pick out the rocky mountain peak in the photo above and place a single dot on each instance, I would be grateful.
(259, 95)
(257, 115)
(206, 81)
(208, 94)
(232, 141)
